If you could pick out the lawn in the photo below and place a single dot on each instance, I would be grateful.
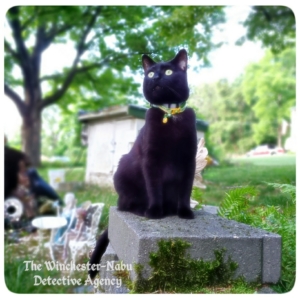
(232, 174)
(276, 160)
(250, 172)
(255, 172)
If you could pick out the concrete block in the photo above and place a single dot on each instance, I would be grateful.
(210, 209)
(257, 252)
(271, 253)
(110, 284)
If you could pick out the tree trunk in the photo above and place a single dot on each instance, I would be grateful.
(31, 136)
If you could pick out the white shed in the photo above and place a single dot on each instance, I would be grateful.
(110, 133)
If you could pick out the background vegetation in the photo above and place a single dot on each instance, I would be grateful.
(106, 43)
(106, 46)
(240, 188)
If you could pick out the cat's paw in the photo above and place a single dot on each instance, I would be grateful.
(154, 212)
(185, 213)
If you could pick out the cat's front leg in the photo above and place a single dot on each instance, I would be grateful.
(155, 207)
(154, 212)
(153, 182)
(185, 212)
(184, 209)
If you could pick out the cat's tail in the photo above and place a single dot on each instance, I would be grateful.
(99, 250)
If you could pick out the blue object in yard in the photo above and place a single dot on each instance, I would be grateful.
(39, 187)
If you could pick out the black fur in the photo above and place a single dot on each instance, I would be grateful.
(155, 178)
(12, 159)
(101, 246)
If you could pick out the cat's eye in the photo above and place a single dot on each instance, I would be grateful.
(151, 74)
(168, 72)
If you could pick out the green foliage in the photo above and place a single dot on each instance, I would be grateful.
(105, 45)
(270, 218)
(189, 26)
(236, 203)
(120, 35)
(222, 104)
(269, 87)
(197, 194)
(274, 26)
(250, 110)
(21, 281)
(245, 171)
(286, 189)
(61, 135)
(173, 271)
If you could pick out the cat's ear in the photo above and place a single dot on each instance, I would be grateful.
(181, 59)
(147, 62)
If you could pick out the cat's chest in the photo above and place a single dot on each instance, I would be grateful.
(174, 130)
(179, 130)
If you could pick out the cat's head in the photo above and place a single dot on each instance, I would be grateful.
(166, 82)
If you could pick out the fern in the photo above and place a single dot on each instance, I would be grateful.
(285, 188)
(236, 204)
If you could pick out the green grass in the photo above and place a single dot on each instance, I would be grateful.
(281, 220)
(238, 172)
(219, 180)
(17, 279)
(250, 172)
(22, 280)
(71, 174)
(267, 160)
(271, 208)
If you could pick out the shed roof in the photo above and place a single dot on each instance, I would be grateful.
(126, 111)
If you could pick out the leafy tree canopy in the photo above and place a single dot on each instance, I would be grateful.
(230, 118)
(270, 88)
(250, 110)
(108, 42)
(274, 26)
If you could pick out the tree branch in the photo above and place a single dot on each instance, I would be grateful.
(265, 13)
(9, 49)
(17, 34)
(78, 70)
(54, 31)
(27, 22)
(16, 99)
(81, 45)
(81, 48)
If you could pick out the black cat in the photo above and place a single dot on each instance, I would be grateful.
(155, 178)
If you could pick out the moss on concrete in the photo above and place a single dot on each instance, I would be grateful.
(173, 271)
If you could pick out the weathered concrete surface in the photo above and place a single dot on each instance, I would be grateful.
(108, 268)
(210, 209)
(257, 252)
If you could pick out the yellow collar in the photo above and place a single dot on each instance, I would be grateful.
(169, 112)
